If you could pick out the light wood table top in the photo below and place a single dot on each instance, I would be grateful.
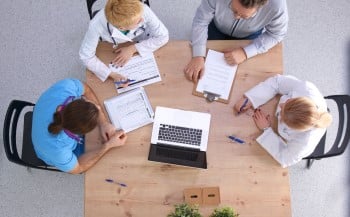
(250, 180)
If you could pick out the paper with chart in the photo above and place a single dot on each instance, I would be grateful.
(130, 111)
(218, 75)
(143, 70)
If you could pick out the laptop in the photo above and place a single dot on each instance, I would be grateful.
(180, 137)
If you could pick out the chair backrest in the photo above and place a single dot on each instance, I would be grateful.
(343, 133)
(28, 157)
(90, 3)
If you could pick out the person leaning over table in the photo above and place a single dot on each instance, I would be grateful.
(62, 115)
(301, 114)
(263, 21)
(122, 21)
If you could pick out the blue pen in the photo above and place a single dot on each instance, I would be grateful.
(124, 82)
(118, 183)
(235, 139)
(244, 104)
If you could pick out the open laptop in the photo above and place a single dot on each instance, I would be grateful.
(180, 137)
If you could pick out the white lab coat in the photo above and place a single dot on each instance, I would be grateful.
(150, 35)
(295, 144)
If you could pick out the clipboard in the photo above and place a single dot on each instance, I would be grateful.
(217, 81)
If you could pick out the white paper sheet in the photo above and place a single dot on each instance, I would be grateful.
(143, 70)
(130, 110)
(218, 75)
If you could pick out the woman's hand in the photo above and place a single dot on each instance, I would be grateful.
(118, 139)
(262, 120)
(242, 105)
(124, 54)
(117, 77)
(107, 130)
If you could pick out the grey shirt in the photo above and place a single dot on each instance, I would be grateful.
(271, 17)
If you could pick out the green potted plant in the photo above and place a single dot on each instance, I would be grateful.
(224, 212)
(185, 210)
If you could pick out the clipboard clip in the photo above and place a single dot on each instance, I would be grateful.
(210, 97)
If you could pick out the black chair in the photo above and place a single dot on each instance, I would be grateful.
(343, 133)
(28, 157)
(90, 3)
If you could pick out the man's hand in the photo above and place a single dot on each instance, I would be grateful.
(124, 54)
(262, 120)
(194, 69)
(118, 139)
(107, 130)
(235, 56)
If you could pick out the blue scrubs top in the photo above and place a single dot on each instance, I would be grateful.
(57, 150)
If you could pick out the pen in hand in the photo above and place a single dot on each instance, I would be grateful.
(124, 81)
(243, 105)
(235, 139)
(118, 183)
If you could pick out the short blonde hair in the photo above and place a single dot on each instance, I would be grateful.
(301, 113)
(123, 13)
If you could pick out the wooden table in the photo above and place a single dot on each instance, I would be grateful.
(249, 179)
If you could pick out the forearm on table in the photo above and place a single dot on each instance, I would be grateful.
(95, 65)
(89, 159)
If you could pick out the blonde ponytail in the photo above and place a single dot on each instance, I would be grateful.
(301, 113)
(325, 119)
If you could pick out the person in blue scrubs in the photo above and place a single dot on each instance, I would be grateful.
(62, 116)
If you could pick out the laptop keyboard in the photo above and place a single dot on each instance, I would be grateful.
(182, 135)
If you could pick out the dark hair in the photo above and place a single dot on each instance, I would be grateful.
(252, 3)
(79, 117)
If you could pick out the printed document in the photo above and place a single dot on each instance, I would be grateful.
(130, 111)
(218, 75)
(143, 70)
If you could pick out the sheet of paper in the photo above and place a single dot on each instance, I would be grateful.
(143, 70)
(130, 110)
(218, 75)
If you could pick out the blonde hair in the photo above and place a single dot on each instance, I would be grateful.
(301, 113)
(123, 13)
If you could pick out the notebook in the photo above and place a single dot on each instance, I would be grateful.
(130, 110)
(180, 137)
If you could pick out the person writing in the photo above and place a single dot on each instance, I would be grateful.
(122, 21)
(264, 22)
(301, 113)
(62, 116)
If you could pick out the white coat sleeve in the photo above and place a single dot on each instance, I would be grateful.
(291, 152)
(266, 90)
(159, 34)
(88, 56)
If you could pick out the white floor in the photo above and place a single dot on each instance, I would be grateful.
(40, 42)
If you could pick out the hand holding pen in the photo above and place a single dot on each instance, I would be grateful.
(242, 105)
(121, 82)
